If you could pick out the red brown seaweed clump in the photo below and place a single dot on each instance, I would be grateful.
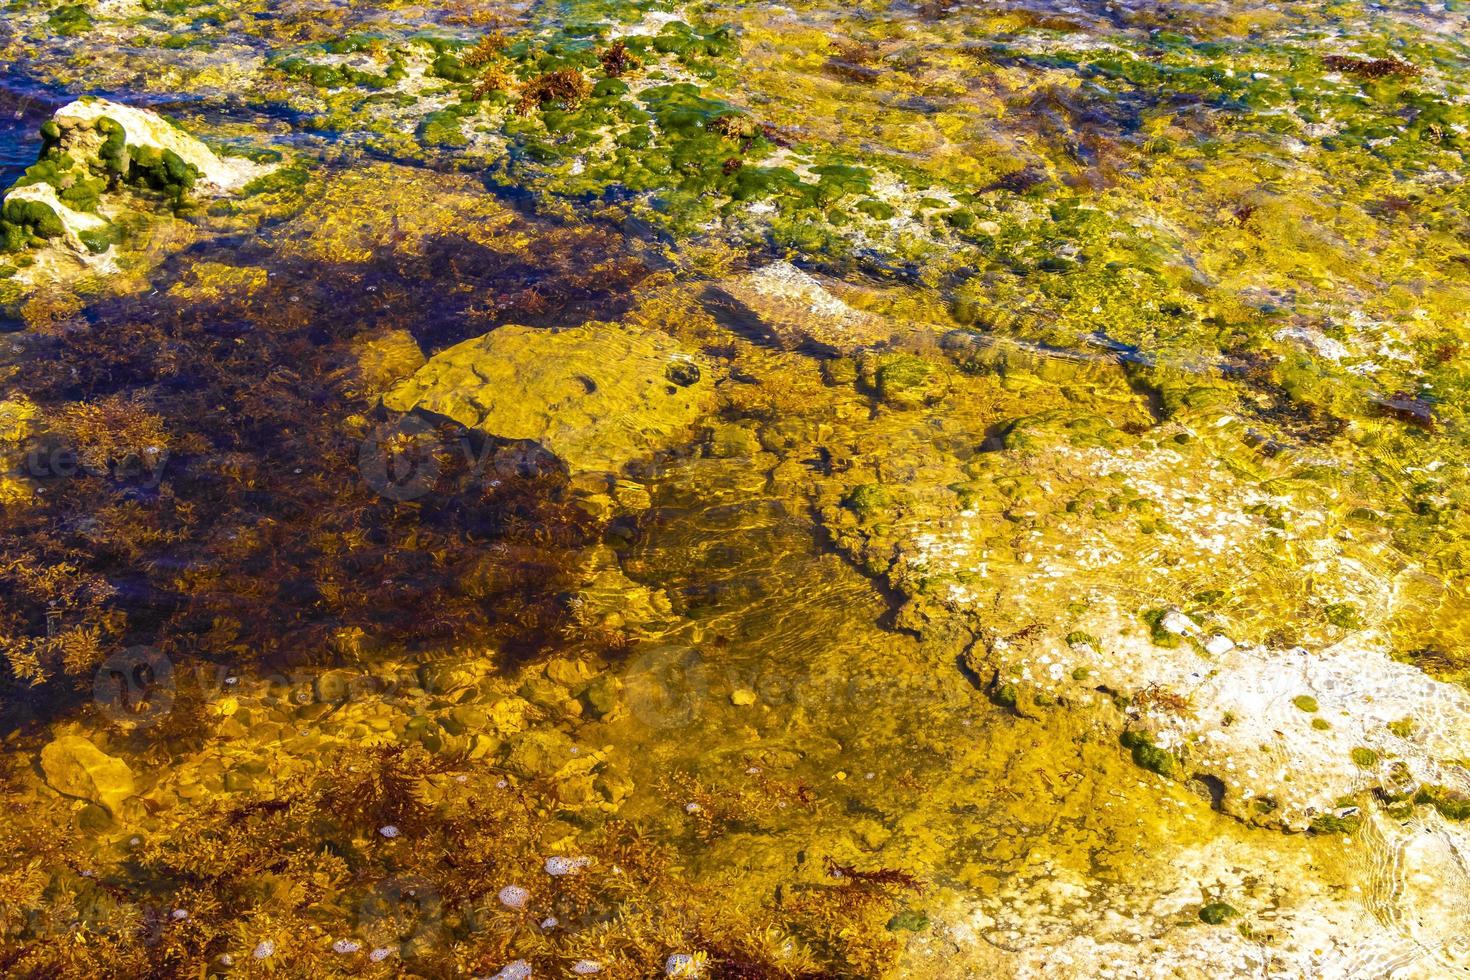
(1371, 67)
(565, 87)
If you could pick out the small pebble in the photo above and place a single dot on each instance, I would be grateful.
(514, 897)
(585, 967)
(389, 831)
(517, 970)
(263, 949)
(550, 922)
(682, 965)
(558, 866)
(346, 946)
(179, 915)
(692, 808)
(1177, 623)
(380, 954)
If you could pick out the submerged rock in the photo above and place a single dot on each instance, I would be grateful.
(386, 357)
(75, 767)
(598, 396)
(795, 309)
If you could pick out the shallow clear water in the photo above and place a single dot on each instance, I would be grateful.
(18, 143)
(735, 490)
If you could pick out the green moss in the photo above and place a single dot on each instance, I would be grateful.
(1365, 757)
(162, 170)
(874, 208)
(1305, 702)
(13, 237)
(1321, 724)
(101, 239)
(754, 183)
(903, 380)
(84, 194)
(114, 149)
(331, 76)
(450, 67)
(680, 39)
(281, 180)
(1403, 728)
(442, 129)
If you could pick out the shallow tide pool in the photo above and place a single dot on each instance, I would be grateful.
(744, 490)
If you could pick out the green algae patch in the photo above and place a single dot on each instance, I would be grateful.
(868, 501)
(1217, 913)
(1158, 633)
(24, 218)
(1147, 755)
(70, 20)
(1340, 824)
(1212, 275)
(908, 921)
(1451, 804)
(903, 381)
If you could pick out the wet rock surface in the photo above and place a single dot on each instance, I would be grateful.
(76, 767)
(597, 395)
(997, 505)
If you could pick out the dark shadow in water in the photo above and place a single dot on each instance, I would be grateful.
(260, 546)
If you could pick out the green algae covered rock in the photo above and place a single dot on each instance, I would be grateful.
(75, 767)
(598, 395)
(141, 146)
(35, 215)
(100, 160)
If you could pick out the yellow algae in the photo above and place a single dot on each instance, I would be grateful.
(945, 490)
(354, 214)
(211, 281)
